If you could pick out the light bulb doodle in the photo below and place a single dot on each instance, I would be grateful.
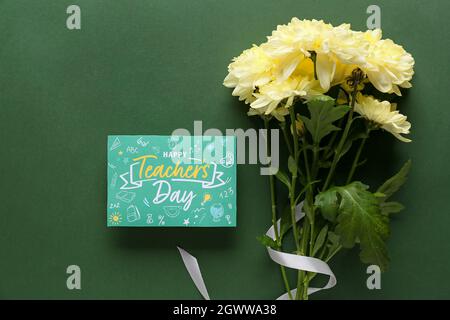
(206, 197)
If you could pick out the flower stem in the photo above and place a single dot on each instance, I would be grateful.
(302, 275)
(356, 80)
(308, 234)
(286, 138)
(327, 259)
(328, 151)
(274, 213)
(294, 180)
(311, 196)
(332, 254)
(293, 199)
(356, 160)
(277, 235)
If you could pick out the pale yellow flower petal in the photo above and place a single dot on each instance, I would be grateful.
(389, 66)
(383, 114)
(325, 68)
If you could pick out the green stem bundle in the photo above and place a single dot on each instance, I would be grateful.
(274, 212)
(305, 243)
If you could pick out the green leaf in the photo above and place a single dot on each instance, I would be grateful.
(379, 195)
(306, 186)
(267, 241)
(356, 132)
(391, 207)
(286, 220)
(333, 241)
(292, 165)
(324, 164)
(333, 238)
(309, 210)
(359, 219)
(327, 202)
(280, 175)
(320, 240)
(394, 183)
(322, 115)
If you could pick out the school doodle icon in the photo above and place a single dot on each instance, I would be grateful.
(168, 181)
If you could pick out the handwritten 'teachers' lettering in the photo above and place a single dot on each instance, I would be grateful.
(148, 171)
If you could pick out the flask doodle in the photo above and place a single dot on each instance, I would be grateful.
(133, 213)
(217, 211)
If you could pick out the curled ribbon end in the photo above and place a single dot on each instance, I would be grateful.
(191, 264)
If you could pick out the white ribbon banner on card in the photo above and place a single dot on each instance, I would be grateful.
(288, 260)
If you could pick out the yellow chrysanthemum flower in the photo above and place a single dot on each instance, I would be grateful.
(279, 113)
(389, 66)
(258, 79)
(300, 83)
(253, 68)
(271, 95)
(384, 115)
(295, 41)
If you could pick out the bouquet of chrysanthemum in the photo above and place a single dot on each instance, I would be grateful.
(313, 80)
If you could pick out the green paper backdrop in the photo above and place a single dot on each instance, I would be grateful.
(148, 67)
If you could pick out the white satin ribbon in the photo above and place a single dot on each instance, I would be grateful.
(289, 260)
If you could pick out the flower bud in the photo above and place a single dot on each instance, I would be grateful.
(299, 126)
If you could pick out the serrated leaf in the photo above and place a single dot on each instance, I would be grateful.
(322, 115)
(395, 182)
(360, 219)
(390, 207)
(327, 202)
(373, 250)
(280, 175)
(292, 165)
(267, 241)
(320, 240)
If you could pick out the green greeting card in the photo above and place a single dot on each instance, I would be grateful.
(167, 181)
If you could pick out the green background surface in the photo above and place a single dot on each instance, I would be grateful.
(148, 67)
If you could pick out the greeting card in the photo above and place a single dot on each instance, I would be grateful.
(167, 181)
